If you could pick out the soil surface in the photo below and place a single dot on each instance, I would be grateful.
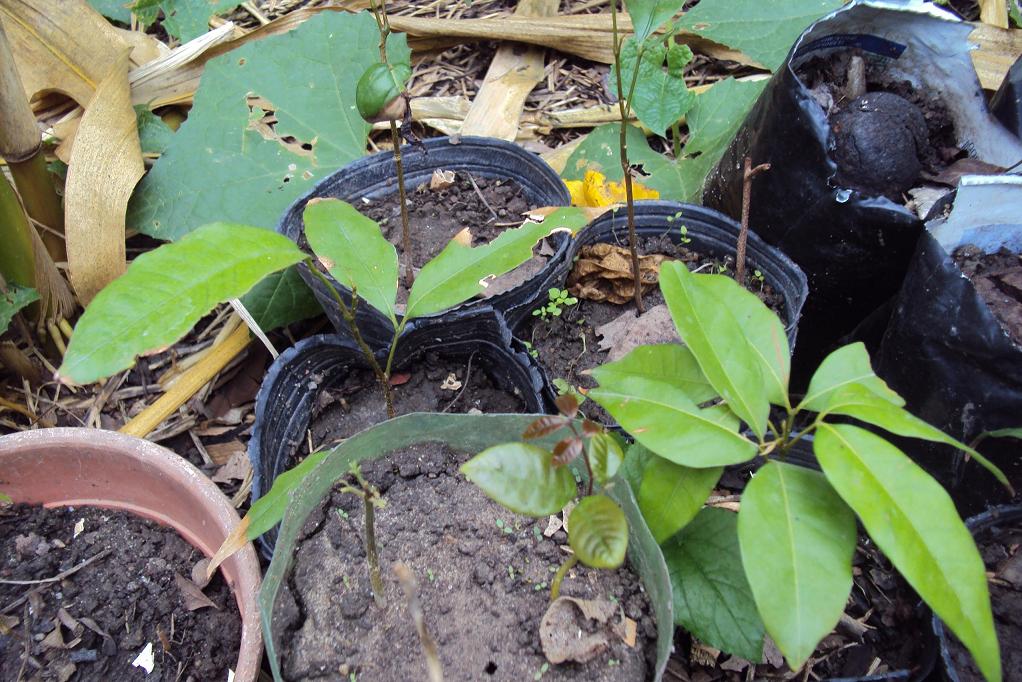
(93, 623)
(1000, 551)
(435, 384)
(486, 206)
(886, 135)
(483, 580)
(568, 345)
(998, 280)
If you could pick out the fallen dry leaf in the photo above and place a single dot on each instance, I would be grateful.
(106, 163)
(967, 166)
(193, 596)
(703, 654)
(441, 179)
(603, 272)
(553, 524)
(626, 332)
(579, 629)
(222, 453)
(236, 468)
(451, 383)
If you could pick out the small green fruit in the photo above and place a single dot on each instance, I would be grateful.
(378, 87)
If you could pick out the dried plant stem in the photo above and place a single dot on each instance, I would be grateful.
(372, 556)
(743, 235)
(429, 647)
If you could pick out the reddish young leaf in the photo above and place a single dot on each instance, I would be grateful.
(567, 450)
(399, 378)
(567, 404)
(544, 426)
(591, 428)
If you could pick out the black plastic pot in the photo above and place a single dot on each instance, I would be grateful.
(711, 233)
(1006, 104)
(947, 354)
(853, 246)
(374, 177)
(985, 523)
(284, 405)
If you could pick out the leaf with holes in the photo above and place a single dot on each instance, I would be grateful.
(522, 478)
(660, 97)
(600, 151)
(598, 532)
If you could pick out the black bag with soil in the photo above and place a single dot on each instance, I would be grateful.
(370, 184)
(871, 103)
(327, 372)
(953, 348)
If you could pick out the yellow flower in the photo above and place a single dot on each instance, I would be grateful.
(596, 191)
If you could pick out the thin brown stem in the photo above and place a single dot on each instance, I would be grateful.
(429, 647)
(372, 556)
(406, 236)
(749, 172)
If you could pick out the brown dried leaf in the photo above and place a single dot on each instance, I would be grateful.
(192, 595)
(967, 166)
(579, 629)
(233, 543)
(223, 453)
(603, 272)
(237, 468)
(626, 332)
(566, 451)
(544, 426)
(441, 179)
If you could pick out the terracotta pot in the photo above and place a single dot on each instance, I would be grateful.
(91, 467)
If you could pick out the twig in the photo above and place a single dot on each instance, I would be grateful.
(481, 197)
(464, 384)
(429, 648)
(59, 576)
(743, 236)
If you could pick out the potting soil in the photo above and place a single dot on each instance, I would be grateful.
(997, 278)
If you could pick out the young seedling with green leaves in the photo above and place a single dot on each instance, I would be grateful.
(796, 530)
(658, 97)
(531, 480)
(557, 301)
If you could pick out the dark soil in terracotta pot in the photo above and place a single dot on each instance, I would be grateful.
(999, 547)
(483, 579)
(997, 278)
(93, 622)
(570, 344)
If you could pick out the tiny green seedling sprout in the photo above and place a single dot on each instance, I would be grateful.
(371, 500)
(557, 301)
(531, 350)
(564, 388)
(533, 481)
(542, 671)
(684, 239)
(759, 278)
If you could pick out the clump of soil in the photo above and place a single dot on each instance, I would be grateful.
(92, 623)
(998, 280)
(886, 135)
(569, 344)
(434, 384)
(999, 546)
(483, 576)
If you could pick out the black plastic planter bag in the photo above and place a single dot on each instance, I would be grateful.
(853, 246)
(946, 353)
(288, 395)
(374, 177)
(1006, 104)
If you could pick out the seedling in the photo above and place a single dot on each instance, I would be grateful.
(371, 500)
(533, 353)
(759, 278)
(564, 388)
(796, 528)
(536, 482)
(557, 301)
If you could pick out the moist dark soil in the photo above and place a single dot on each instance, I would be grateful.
(93, 623)
(435, 384)
(483, 578)
(998, 280)
(999, 546)
(897, 635)
(568, 345)
(435, 216)
(888, 139)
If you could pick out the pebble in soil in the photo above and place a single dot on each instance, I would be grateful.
(92, 624)
(483, 575)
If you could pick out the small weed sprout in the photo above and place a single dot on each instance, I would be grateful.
(557, 301)
(759, 278)
(531, 350)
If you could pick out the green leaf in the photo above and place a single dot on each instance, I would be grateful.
(600, 151)
(712, 597)
(762, 328)
(670, 495)
(605, 457)
(763, 29)
(598, 532)
(165, 292)
(522, 478)
(670, 364)
(847, 366)
(712, 122)
(637, 459)
(648, 15)
(718, 342)
(797, 539)
(460, 272)
(280, 299)
(219, 166)
(118, 10)
(1004, 433)
(355, 252)
(914, 523)
(187, 19)
(15, 299)
(660, 97)
(153, 134)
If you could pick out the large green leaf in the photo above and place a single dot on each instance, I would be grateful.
(712, 122)
(763, 29)
(460, 272)
(153, 134)
(670, 364)
(670, 495)
(762, 328)
(797, 539)
(280, 299)
(220, 164)
(648, 15)
(355, 251)
(712, 597)
(847, 366)
(914, 523)
(598, 532)
(718, 342)
(521, 477)
(660, 97)
(13, 300)
(165, 292)
(600, 151)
